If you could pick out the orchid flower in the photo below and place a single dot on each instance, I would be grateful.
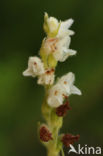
(55, 48)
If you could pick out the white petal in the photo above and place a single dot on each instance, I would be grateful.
(67, 24)
(55, 102)
(72, 52)
(63, 30)
(67, 53)
(47, 78)
(75, 90)
(35, 67)
(66, 82)
(69, 77)
(55, 96)
(28, 72)
(71, 32)
(57, 55)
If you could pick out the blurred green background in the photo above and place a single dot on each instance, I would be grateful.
(21, 34)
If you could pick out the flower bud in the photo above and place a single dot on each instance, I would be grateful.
(51, 25)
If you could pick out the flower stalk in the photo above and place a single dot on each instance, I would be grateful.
(55, 47)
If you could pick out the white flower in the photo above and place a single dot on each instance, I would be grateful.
(55, 28)
(59, 47)
(49, 45)
(55, 97)
(59, 44)
(67, 82)
(62, 51)
(64, 28)
(47, 78)
(35, 67)
(63, 88)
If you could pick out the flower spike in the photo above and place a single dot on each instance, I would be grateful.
(55, 48)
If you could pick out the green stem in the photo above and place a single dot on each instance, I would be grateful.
(54, 123)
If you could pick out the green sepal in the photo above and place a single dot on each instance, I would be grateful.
(52, 61)
(55, 120)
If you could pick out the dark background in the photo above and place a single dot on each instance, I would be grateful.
(21, 34)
